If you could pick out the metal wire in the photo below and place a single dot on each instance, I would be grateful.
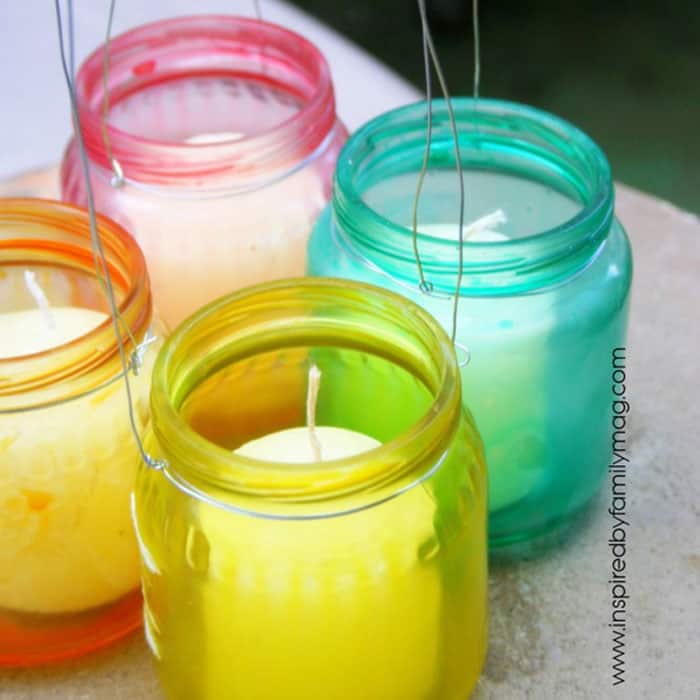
(118, 174)
(258, 9)
(424, 286)
(117, 179)
(428, 39)
(477, 49)
(71, 41)
(101, 267)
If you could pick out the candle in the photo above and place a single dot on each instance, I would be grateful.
(293, 445)
(26, 332)
(39, 575)
(344, 558)
(226, 133)
(479, 231)
(280, 579)
(543, 295)
(513, 475)
(65, 543)
(69, 569)
(311, 443)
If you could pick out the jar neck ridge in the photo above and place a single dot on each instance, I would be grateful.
(494, 137)
(56, 237)
(202, 47)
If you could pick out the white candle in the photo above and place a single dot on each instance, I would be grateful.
(294, 446)
(515, 456)
(311, 443)
(66, 471)
(479, 231)
(27, 332)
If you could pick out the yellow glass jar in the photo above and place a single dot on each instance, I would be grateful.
(69, 569)
(363, 577)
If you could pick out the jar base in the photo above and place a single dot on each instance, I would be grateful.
(34, 639)
(554, 533)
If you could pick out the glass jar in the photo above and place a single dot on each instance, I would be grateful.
(226, 133)
(69, 572)
(543, 297)
(363, 577)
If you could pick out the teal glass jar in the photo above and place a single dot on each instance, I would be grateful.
(543, 299)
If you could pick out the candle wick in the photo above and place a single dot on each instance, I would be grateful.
(485, 223)
(312, 389)
(34, 288)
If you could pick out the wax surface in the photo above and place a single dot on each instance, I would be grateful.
(29, 331)
(294, 445)
(66, 471)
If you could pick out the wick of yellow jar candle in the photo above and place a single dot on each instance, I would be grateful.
(312, 443)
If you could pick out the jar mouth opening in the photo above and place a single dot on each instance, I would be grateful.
(55, 237)
(232, 50)
(293, 314)
(495, 137)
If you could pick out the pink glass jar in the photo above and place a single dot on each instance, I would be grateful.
(226, 134)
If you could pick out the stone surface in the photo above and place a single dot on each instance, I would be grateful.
(549, 615)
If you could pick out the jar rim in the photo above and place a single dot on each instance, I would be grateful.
(27, 380)
(159, 51)
(486, 128)
(194, 462)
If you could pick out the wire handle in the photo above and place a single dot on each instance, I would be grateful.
(430, 52)
(135, 361)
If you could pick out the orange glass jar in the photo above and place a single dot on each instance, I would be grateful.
(69, 574)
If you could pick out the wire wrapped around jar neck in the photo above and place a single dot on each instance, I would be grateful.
(220, 46)
(494, 136)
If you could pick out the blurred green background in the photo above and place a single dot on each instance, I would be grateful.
(627, 73)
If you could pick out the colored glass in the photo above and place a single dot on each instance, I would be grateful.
(356, 578)
(69, 573)
(543, 297)
(226, 134)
